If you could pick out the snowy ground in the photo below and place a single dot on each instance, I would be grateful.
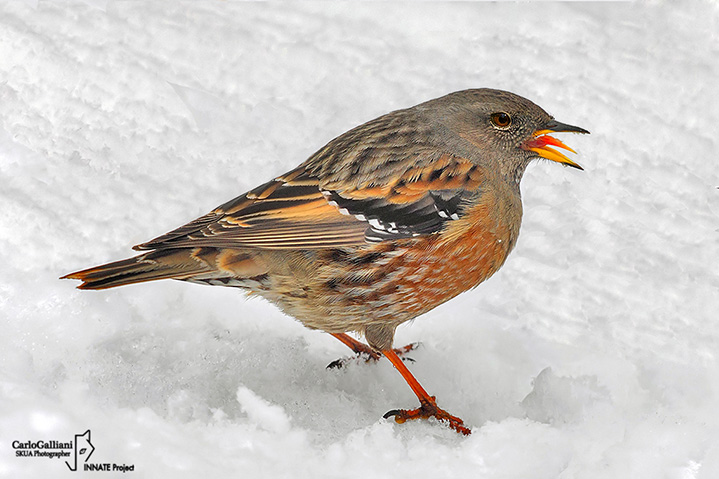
(591, 354)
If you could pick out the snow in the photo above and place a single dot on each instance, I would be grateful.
(591, 354)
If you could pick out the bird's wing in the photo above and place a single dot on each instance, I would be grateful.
(287, 212)
(416, 202)
(301, 211)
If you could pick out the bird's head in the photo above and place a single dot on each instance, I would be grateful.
(508, 130)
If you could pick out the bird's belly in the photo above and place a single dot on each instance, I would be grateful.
(393, 282)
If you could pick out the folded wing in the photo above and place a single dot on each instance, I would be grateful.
(301, 211)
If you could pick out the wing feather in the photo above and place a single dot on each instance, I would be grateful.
(287, 212)
(420, 201)
(311, 208)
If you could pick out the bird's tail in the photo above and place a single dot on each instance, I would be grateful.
(161, 264)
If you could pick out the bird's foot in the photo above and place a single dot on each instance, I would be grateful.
(368, 354)
(428, 408)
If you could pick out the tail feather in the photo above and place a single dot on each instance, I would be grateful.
(164, 264)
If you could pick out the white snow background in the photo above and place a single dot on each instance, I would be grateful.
(591, 354)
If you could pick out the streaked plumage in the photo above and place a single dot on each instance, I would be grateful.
(381, 225)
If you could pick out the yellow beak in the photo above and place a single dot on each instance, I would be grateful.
(540, 141)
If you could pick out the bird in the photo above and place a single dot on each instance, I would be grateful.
(384, 223)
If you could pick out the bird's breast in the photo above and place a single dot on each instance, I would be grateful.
(467, 252)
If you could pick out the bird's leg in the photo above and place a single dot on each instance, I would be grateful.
(362, 350)
(357, 346)
(428, 406)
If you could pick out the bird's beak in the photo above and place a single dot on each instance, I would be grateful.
(539, 142)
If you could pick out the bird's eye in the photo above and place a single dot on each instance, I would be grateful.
(501, 120)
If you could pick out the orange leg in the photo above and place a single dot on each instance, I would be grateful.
(363, 350)
(428, 406)
(356, 346)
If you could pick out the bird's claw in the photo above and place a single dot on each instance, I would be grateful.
(405, 349)
(341, 362)
(370, 355)
(428, 408)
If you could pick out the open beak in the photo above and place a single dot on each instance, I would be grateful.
(539, 143)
